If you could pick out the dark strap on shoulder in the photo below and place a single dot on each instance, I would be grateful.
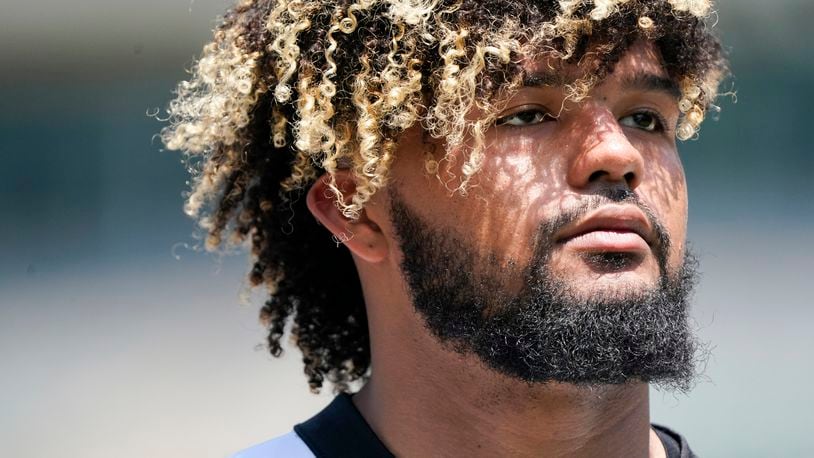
(340, 431)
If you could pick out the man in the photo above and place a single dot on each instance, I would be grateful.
(473, 211)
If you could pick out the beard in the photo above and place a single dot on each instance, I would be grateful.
(548, 331)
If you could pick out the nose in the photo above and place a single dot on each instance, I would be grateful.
(605, 154)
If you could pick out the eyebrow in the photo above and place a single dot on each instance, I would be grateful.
(649, 82)
(640, 81)
(545, 80)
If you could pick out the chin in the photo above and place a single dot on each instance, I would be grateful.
(612, 287)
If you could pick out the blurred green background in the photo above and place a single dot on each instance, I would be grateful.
(119, 338)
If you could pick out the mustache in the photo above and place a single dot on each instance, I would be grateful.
(604, 196)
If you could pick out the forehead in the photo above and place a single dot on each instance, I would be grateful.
(641, 58)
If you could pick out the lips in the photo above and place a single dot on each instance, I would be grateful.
(615, 228)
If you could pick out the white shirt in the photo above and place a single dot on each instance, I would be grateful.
(286, 446)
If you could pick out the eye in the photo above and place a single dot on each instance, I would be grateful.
(644, 120)
(528, 117)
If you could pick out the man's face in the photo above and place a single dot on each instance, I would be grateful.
(574, 228)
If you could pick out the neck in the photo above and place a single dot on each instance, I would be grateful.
(435, 402)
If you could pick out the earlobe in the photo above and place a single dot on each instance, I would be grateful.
(362, 236)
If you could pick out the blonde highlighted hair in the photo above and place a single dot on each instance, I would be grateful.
(291, 89)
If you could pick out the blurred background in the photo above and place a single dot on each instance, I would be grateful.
(119, 338)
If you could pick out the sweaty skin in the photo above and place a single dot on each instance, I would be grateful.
(535, 166)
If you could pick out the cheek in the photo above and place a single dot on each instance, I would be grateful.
(665, 191)
(514, 178)
(519, 183)
(504, 201)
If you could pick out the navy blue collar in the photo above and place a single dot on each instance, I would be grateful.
(674, 444)
(339, 430)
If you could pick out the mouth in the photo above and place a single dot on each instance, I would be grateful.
(610, 229)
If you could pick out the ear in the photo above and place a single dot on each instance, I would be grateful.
(363, 237)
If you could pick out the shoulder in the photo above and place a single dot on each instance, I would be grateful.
(289, 446)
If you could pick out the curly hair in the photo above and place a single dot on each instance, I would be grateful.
(289, 90)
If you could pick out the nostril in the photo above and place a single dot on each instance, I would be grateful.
(596, 175)
(630, 178)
